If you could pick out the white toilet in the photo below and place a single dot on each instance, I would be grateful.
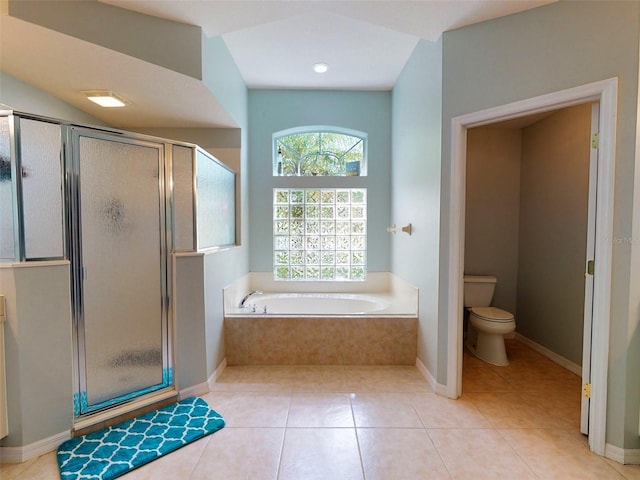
(487, 325)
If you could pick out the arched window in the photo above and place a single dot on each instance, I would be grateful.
(319, 151)
(319, 233)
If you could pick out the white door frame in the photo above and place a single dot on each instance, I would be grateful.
(604, 92)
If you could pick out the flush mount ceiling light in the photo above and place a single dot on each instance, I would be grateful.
(320, 68)
(105, 98)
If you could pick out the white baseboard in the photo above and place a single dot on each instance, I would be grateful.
(194, 390)
(204, 387)
(554, 357)
(33, 450)
(625, 456)
(437, 387)
(216, 374)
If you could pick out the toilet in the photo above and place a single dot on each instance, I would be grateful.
(487, 325)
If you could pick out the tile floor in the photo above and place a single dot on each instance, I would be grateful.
(356, 422)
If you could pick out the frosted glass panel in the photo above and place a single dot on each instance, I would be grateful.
(7, 244)
(183, 198)
(216, 203)
(121, 255)
(41, 147)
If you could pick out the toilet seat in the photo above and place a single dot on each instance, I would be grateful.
(492, 314)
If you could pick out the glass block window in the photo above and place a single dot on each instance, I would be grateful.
(319, 151)
(320, 233)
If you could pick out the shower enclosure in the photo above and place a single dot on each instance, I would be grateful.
(100, 200)
(112, 207)
(118, 250)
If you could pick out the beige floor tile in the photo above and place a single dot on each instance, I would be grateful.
(9, 471)
(437, 411)
(629, 472)
(313, 378)
(320, 410)
(251, 409)
(320, 454)
(44, 467)
(399, 454)
(386, 379)
(239, 454)
(516, 410)
(297, 422)
(384, 410)
(480, 379)
(478, 454)
(178, 464)
(255, 379)
(558, 454)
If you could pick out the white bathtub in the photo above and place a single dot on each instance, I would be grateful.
(381, 295)
(315, 304)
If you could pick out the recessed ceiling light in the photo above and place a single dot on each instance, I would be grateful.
(320, 67)
(105, 98)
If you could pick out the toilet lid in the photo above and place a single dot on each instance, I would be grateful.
(492, 314)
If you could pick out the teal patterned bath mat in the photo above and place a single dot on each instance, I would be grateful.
(116, 450)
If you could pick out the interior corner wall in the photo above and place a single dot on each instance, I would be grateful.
(274, 110)
(415, 186)
(535, 52)
(23, 97)
(492, 209)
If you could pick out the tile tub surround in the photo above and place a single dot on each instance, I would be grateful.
(384, 337)
(272, 340)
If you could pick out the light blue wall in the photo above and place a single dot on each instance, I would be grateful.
(221, 75)
(271, 111)
(417, 129)
(539, 51)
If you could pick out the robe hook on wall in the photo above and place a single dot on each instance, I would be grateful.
(393, 229)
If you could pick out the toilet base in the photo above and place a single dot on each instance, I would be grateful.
(487, 347)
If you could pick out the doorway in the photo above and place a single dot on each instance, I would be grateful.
(603, 92)
(527, 223)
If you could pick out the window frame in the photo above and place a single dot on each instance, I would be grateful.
(310, 129)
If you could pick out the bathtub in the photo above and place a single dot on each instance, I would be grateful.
(314, 304)
(374, 323)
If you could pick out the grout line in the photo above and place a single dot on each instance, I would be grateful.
(284, 437)
(435, 447)
(195, 465)
(355, 429)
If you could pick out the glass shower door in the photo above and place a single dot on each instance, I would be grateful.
(121, 264)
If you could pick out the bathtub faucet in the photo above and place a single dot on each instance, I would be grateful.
(246, 297)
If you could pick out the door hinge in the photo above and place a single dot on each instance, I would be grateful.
(591, 267)
(586, 390)
(595, 140)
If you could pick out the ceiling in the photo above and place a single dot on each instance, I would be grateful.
(274, 44)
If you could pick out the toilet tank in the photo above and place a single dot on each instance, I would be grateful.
(478, 290)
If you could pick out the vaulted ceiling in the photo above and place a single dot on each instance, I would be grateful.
(273, 43)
